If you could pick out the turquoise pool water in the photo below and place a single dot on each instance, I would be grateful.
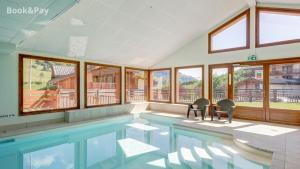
(137, 144)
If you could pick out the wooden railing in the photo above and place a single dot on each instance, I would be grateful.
(256, 95)
(285, 95)
(102, 97)
(160, 95)
(248, 95)
(284, 72)
(188, 95)
(49, 99)
(93, 85)
(66, 99)
(135, 95)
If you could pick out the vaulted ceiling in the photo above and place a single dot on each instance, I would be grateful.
(130, 32)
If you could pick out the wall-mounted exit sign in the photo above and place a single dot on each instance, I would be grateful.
(252, 58)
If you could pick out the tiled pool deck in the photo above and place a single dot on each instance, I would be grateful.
(282, 140)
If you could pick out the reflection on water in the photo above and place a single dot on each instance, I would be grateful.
(61, 156)
(129, 146)
(101, 148)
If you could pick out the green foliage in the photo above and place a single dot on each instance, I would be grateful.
(40, 74)
(243, 74)
(239, 75)
(219, 81)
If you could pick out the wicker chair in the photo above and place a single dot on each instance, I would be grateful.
(202, 106)
(225, 106)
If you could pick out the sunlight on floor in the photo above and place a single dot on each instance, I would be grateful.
(222, 123)
(266, 130)
(168, 115)
(217, 123)
(211, 124)
(189, 121)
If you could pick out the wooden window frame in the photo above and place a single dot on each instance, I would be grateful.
(257, 24)
(226, 25)
(21, 80)
(267, 116)
(125, 87)
(85, 84)
(170, 79)
(188, 67)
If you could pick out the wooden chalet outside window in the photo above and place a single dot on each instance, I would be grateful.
(188, 84)
(102, 85)
(160, 85)
(47, 85)
(136, 85)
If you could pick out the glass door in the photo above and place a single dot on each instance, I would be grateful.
(220, 83)
(284, 92)
(248, 91)
(248, 86)
(266, 90)
(244, 84)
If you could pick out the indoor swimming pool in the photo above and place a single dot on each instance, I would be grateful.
(128, 144)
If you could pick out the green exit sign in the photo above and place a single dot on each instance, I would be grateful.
(252, 58)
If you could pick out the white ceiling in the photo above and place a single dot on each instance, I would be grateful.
(16, 27)
(130, 32)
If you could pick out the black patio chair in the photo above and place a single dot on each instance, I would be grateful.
(225, 106)
(202, 106)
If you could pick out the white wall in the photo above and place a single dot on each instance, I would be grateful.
(196, 52)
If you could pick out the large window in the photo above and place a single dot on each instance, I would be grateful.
(136, 85)
(189, 84)
(48, 84)
(248, 86)
(285, 86)
(277, 26)
(160, 85)
(233, 35)
(103, 85)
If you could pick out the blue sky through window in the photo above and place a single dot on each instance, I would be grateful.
(275, 27)
(194, 72)
(232, 37)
